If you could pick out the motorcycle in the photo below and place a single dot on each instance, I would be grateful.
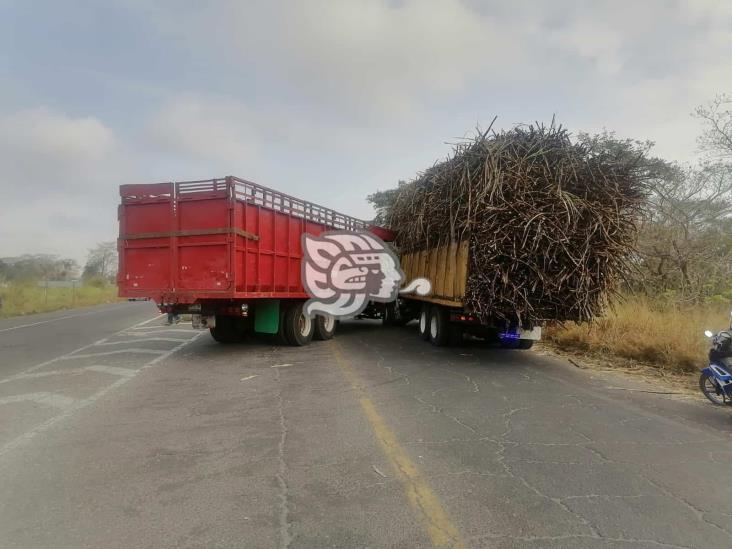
(715, 380)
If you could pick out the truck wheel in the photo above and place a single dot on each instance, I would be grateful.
(281, 336)
(218, 335)
(228, 330)
(424, 322)
(325, 327)
(298, 327)
(439, 326)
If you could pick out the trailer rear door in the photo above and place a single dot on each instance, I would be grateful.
(175, 237)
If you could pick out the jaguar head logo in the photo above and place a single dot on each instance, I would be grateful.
(343, 271)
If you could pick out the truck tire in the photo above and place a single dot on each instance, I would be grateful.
(298, 327)
(325, 327)
(281, 335)
(228, 330)
(424, 322)
(439, 326)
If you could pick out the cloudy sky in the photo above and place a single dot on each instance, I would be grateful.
(327, 100)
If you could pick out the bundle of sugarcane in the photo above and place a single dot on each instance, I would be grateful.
(550, 222)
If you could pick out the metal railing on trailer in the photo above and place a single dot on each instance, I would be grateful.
(253, 193)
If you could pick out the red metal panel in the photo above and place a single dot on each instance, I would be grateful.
(203, 267)
(145, 263)
(266, 230)
(203, 260)
(251, 266)
(146, 268)
(223, 238)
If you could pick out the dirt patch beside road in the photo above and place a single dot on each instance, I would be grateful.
(660, 380)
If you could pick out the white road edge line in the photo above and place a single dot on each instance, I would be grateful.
(168, 339)
(35, 375)
(148, 321)
(115, 370)
(56, 359)
(116, 352)
(55, 320)
(27, 436)
(157, 328)
(49, 399)
(150, 331)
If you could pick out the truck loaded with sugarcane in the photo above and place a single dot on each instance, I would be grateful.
(515, 229)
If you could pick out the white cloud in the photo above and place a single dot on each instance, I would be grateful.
(38, 143)
(59, 182)
(389, 53)
(370, 61)
(386, 64)
(593, 41)
(216, 129)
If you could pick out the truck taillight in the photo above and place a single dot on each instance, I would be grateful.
(460, 317)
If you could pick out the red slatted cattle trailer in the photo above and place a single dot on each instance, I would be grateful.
(226, 251)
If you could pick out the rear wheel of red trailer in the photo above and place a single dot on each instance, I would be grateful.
(289, 325)
(296, 327)
(229, 329)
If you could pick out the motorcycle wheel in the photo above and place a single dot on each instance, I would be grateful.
(711, 390)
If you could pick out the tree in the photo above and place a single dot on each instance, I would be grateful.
(382, 201)
(30, 267)
(716, 139)
(102, 261)
(685, 241)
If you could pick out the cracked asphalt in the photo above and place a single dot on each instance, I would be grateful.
(116, 431)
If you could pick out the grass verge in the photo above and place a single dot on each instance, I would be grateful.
(665, 337)
(27, 299)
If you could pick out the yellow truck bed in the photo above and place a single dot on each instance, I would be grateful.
(446, 267)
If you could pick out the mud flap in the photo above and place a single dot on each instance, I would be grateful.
(267, 316)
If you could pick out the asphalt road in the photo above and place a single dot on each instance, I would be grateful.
(116, 431)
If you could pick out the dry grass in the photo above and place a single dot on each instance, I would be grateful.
(28, 299)
(665, 337)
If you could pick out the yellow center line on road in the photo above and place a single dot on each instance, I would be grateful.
(442, 531)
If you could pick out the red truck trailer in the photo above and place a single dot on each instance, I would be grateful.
(227, 251)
